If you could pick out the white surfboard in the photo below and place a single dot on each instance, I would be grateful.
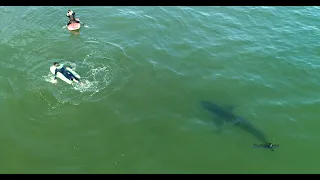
(61, 76)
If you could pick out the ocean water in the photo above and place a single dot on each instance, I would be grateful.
(147, 69)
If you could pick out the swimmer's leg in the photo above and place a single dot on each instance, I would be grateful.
(74, 77)
(67, 75)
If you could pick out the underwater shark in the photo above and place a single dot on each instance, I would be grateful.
(228, 116)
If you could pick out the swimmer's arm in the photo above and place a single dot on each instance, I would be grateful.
(77, 20)
(55, 74)
(68, 66)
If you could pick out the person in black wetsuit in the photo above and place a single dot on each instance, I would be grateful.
(72, 18)
(64, 71)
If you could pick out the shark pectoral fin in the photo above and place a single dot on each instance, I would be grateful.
(230, 108)
(219, 123)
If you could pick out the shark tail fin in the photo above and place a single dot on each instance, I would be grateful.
(271, 147)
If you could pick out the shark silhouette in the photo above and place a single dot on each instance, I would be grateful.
(228, 115)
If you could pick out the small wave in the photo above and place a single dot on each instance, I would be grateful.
(97, 79)
(96, 42)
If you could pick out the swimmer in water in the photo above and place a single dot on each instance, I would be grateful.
(62, 69)
(72, 18)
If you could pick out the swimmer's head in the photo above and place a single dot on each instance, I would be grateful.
(69, 13)
(56, 64)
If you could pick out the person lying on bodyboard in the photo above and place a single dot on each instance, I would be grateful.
(63, 70)
(72, 18)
